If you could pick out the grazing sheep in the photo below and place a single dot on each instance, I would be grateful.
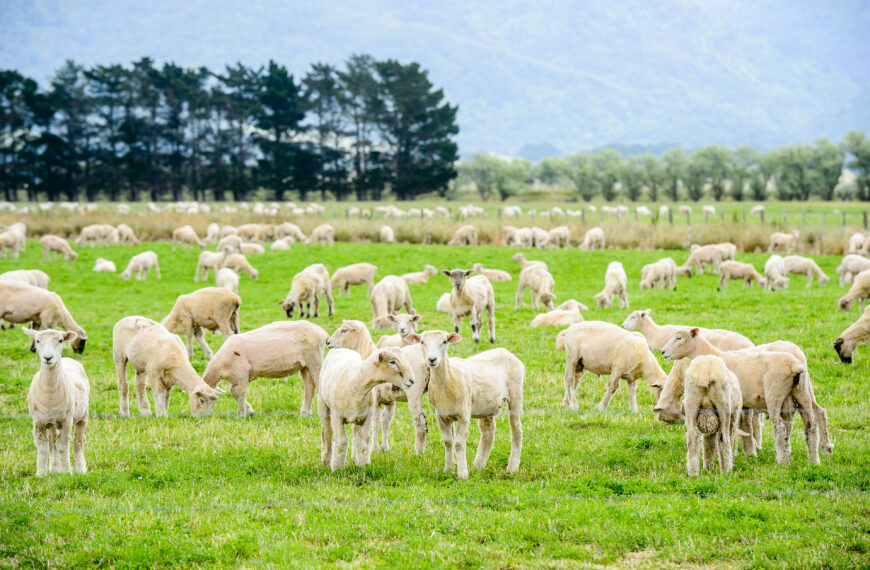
(510, 236)
(851, 266)
(704, 255)
(126, 235)
(248, 247)
(805, 266)
(757, 209)
(464, 388)
(9, 244)
(470, 298)
(104, 265)
(57, 400)
(387, 235)
(264, 233)
(419, 277)
(855, 243)
(212, 233)
(230, 244)
(662, 273)
(780, 241)
(304, 290)
(33, 277)
(511, 212)
(615, 283)
(186, 236)
(775, 273)
(405, 324)
(557, 237)
(323, 234)
(737, 270)
(289, 230)
(240, 264)
(685, 209)
(604, 348)
(355, 274)
(593, 239)
(387, 297)
(492, 274)
(228, 279)
(282, 244)
(141, 264)
(465, 235)
(97, 234)
(640, 211)
(709, 210)
(558, 318)
(541, 285)
(157, 356)
(859, 291)
(275, 350)
(858, 333)
(21, 303)
(658, 335)
(664, 211)
(208, 261)
(247, 231)
(524, 237)
(57, 245)
(443, 305)
(539, 237)
(211, 309)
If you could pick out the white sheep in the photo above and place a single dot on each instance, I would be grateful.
(465, 235)
(491, 274)
(230, 244)
(850, 266)
(558, 318)
(304, 290)
(420, 277)
(355, 274)
(511, 212)
(9, 244)
(240, 264)
(97, 234)
(541, 286)
(250, 247)
(405, 325)
(186, 236)
(615, 284)
(539, 237)
(470, 298)
(209, 309)
(323, 234)
(780, 241)
(247, 231)
(387, 235)
(208, 261)
(33, 277)
(22, 303)
(228, 279)
(104, 265)
(289, 230)
(664, 211)
(557, 237)
(212, 233)
(57, 245)
(757, 209)
(860, 291)
(662, 273)
(732, 270)
(708, 210)
(158, 357)
(126, 235)
(856, 334)
(464, 388)
(282, 244)
(57, 400)
(805, 266)
(776, 273)
(142, 264)
(275, 350)
(521, 259)
(856, 241)
(704, 255)
(640, 211)
(387, 297)
(443, 304)
(658, 335)
(593, 239)
(686, 209)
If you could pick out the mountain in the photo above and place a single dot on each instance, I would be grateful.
(537, 151)
(576, 74)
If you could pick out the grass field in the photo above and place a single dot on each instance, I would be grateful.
(593, 488)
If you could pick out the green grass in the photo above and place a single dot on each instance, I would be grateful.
(593, 487)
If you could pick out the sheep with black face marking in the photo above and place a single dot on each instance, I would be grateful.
(856, 334)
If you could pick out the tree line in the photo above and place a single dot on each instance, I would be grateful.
(793, 172)
(145, 131)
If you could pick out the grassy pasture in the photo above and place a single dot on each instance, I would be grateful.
(593, 488)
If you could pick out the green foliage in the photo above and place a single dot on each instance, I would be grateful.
(580, 169)
(714, 164)
(632, 176)
(857, 145)
(675, 171)
(654, 175)
(608, 164)
(493, 175)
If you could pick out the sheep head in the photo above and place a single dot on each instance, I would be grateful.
(458, 277)
(435, 345)
(680, 345)
(48, 344)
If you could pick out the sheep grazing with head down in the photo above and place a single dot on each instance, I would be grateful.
(20, 303)
(58, 246)
(780, 241)
(186, 237)
(208, 261)
(97, 234)
(541, 285)
(104, 265)
(850, 266)
(126, 235)
(388, 297)
(323, 234)
(662, 273)
(141, 264)
(211, 309)
(805, 266)
(228, 279)
(465, 235)
(304, 290)
(387, 235)
(557, 237)
(776, 273)
(615, 284)
(33, 277)
(470, 297)
(733, 270)
(858, 333)
(355, 274)
(240, 264)
(593, 239)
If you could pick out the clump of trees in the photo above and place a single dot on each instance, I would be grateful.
(170, 132)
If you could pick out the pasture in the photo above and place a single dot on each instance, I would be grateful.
(593, 488)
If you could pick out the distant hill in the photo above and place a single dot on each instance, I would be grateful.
(535, 152)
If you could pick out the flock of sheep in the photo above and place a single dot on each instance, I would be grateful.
(726, 383)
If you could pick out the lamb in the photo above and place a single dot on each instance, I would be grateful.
(757, 209)
(289, 230)
(323, 234)
(304, 290)
(443, 305)
(405, 325)
(604, 348)
(419, 277)
(9, 244)
(58, 245)
(615, 283)
(388, 296)
(186, 236)
(212, 233)
(662, 273)
(572, 305)
(524, 237)
(230, 244)
(539, 237)
(208, 261)
(228, 279)
(557, 237)
(264, 233)
(737, 270)
(658, 335)
(212, 309)
(780, 241)
(776, 273)
(387, 235)
(509, 236)
(805, 266)
(248, 247)
(511, 212)
(711, 388)
(58, 400)
(471, 297)
(21, 303)
(104, 265)
(97, 234)
(705, 255)
(855, 243)
(33, 277)
(541, 285)
(492, 274)
(240, 264)
(558, 318)
(771, 382)
(275, 350)
(157, 356)
(247, 231)
(355, 274)
(464, 388)
(860, 291)
(592, 240)
(850, 266)
(858, 333)
(142, 264)
(126, 235)
(465, 235)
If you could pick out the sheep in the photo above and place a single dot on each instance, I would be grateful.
(355, 274)
(9, 244)
(247, 231)
(662, 273)
(22, 303)
(442, 211)
(186, 236)
(105, 265)
(856, 334)
(443, 305)
(521, 259)
(615, 283)
(387, 235)
(558, 318)
(275, 350)
(604, 348)
(264, 233)
(212, 233)
(557, 237)
(230, 244)
(464, 388)
(465, 235)
(240, 264)
(97, 234)
(346, 384)
(705, 255)
(58, 245)
(685, 209)
(388, 296)
(708, 210)
(511, 212)
(471, 297)
(208, 261)
(775, 273)
(541, 285)
(142, 264)
(592, 240)
(512, 237)
(58, 400)
(757, 209)
(157, 356)
(780, 241)
(491, 274)
(642, 211)
(304, 290)
(126, 235)
(323, 234)
(737, 270)
(711, 388)
(280, 245)
(860, 291)
(855, 242)
(658, 335)
(850, 266)
(419, 277)
(212, 309)
(664, 211)
(289, 230)
(539, 237)
(228, 279)
(806, 266)
(405, 325)
(33, 277)
(771, 382)
(248, 247)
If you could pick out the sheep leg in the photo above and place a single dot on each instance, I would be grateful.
(490, 319)
(415, 406)
(484, 447)
(325, 433)
(725, 442)
(157, 270)
(386, 420)
(709, 451)
(747, 423)
(329, 302)
(570, 377)
(632, 396)
(474, 321)
(757, 428)
(780, 432)
(362, 442)
(339, 446)
(459, 444)
(239, 392)
(200, 338)
(446, 427)
(188, 342)
(692, 447)
(811, 427)
(40, 438)
(141, 396)
(516, 423)
(308, 384)
(79, 464)
(53, 455)
(824, 437)
(612, 385)
(161, 399)
(520, 296)
(316, 305)
(723, 282)
(61, 445)
(196, 275)
(456, 322)
(123, 387)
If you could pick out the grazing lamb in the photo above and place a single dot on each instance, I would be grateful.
(464, 388)
(662, 273)
(541, 285)
(859, 291)
(230, 244)
(470, 298)
(57, 245)
(405, 325)
(593, 239)
(228, 279)
(615, 283)
(275, 350)
(304, 290)
(186, 236)
(387, 297)
(780, 241)
(757, 209)
(97, 234)
(104, 265)
(465, 235)
(387, 235)
(240, 264)
(705, 255)
(57, 400)
(126, 235)
(210, 309)
(323, 234)
(805, 266)
(141, 264)
(247, 231)
(208, 261)
(157, 356)
(21, 303)
(539, 236)
(289, 230)
(558, 318)
(355, 274)
(729, 270)
(713, 408)
(709, 210)
(775, 273)
(33, 277)
(851, 266)
(557, 237)
(419, 277)
(604, 348)
(492, 274)
(858, 333)
(9, 244)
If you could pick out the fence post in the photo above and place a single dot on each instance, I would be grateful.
(744, 216)
(844, 218)
(687, 219)
(762, 217)
(783, 217)
(722, 215)
(823, 220)
(705, 217)
(804, 218)
(865, 219)
(583, 215)
(671, 216)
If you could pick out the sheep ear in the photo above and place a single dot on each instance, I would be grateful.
(445, 272)
(70, 336)
(32, 333)
(415, 318)
(391, 318)
(695, 331)
(413, 338)
(645, 312)
(468, 272)
(453, 338)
